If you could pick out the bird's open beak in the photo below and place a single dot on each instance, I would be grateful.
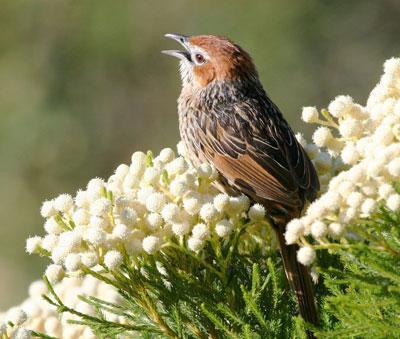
(183, 40)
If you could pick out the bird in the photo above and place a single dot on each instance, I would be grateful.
(226, 119)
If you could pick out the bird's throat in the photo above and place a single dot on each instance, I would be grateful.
(218, 92)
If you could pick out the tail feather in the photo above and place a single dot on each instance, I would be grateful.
(300, 281)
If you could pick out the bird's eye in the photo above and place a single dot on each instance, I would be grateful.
(199, 58)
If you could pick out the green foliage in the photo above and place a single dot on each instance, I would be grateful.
(364, 300)
(265, 310)
(176, 293)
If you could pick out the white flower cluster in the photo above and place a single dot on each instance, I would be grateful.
(366, 139)
(138, 210)
(36, 314)
(325, 163)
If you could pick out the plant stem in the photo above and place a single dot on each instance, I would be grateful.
(155, 316)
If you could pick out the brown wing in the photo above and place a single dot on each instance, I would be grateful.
(256, 152)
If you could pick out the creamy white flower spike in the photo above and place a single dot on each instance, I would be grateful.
(223, 228)
(72, 262)
(322, 136)
(257, 212)
(48, 209)
(54, 273)
(151, 244)
(113, 259)
(63, 203)
(22, 333)
(310, 114)
(364, 148)
(138, 210)
(306, 255)
(195, 244)
(341, 106)
(200, 231)
(33, 244)
(35, 314)
(16, 315)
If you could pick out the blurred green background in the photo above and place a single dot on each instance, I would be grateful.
(83, 85)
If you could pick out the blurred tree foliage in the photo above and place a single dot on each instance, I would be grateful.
(83, 85)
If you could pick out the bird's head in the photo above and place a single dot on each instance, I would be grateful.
(209, 58)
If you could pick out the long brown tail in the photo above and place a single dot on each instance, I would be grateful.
(300, 281)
